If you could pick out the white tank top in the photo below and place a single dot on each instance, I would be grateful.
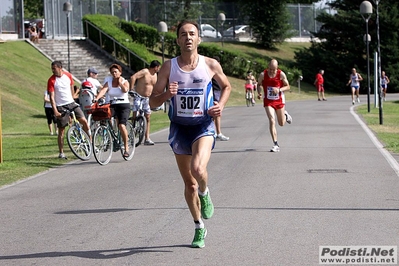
(194, 94)
(354, 80)
(116, 92)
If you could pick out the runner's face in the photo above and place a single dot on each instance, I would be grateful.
(56, 70)
(272, 70)
(188, 39)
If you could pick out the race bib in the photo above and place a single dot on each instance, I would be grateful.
(190, 102)
(271, 95)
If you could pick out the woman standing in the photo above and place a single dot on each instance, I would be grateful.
(117, 88)
(384, 84)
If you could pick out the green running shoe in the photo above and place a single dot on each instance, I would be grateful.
(206, 206)
(198, 241)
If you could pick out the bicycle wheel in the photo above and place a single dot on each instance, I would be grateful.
(102, 145)
(140, 125)
(252, 99)
(79, 142)
(248, 98)
(131, 141)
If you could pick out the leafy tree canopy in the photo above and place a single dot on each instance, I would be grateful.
(342, 46)
(34, 8)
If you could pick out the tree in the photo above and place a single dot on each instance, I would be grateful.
(268, 19)
(342, 46)
(34, 8)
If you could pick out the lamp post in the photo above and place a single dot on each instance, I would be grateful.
(222, 19)
(366, 9)
(376, 2)
(67, 8)
(162, 28)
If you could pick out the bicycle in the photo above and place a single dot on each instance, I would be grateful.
(139, 122)
(249, 97)
(77, 138)
(107, 140)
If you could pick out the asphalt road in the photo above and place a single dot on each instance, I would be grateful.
(332, 184)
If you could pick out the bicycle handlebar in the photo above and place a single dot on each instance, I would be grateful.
(136, 95)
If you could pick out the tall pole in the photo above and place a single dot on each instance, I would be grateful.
(366, 9)
(379, 63)
(162, 28)
(222, 18)
(67, 8)
(69, 54)
(163, 48)
(368, 67)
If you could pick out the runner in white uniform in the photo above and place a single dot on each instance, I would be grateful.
(187, 79)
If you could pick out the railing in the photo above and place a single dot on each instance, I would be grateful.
(113, 47)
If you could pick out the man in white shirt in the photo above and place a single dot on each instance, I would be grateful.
(92, 77)
(60, 88)
(92, 83)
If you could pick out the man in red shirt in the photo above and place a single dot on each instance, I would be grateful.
(274, 82)
(319, 83)
(61, 91)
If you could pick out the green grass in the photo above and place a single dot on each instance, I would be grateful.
(388, 132)
(28, 148)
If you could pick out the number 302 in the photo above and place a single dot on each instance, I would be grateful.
(190, 102)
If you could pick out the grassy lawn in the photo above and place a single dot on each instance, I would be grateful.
(29, 149)
(388, 132)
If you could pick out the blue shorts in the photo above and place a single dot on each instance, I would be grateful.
(384, 86)
(182, 137)
(355, 87)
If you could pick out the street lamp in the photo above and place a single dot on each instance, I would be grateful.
(67, 8)
(376, 2)
(366, 9)
(162, 28)
(222, 19)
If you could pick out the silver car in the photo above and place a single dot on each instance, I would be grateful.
(240, 31)
(209, 31)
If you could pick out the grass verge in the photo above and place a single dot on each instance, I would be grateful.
(388, 132)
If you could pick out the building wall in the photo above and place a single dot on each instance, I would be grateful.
(11, 18)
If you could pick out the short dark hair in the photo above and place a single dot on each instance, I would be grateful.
(184, 22)
(154, 64)
(57, 63)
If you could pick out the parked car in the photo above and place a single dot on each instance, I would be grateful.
(209, 31)
(240, 31)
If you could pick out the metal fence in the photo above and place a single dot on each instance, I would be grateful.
(9, 16)
(303, 18)
(151, 12)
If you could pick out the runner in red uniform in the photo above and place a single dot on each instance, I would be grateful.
(319, 83)
(274, 82)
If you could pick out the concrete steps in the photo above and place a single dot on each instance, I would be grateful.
(83, 55)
